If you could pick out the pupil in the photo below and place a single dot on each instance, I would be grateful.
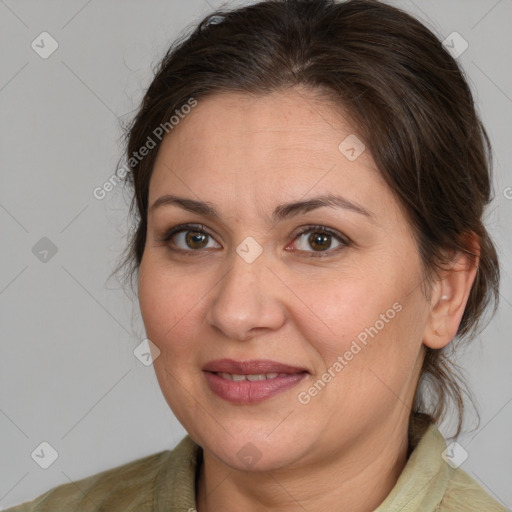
(196, 240)
(319, 241)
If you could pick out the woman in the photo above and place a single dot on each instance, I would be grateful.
(309, 179)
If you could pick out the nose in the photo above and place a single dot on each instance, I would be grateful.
(246, 301)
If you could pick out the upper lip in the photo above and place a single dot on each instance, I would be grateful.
(252, 367)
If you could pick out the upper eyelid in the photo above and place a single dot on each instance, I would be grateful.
(179, 228)
(343, 239)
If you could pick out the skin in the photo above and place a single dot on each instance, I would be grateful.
(245, 155)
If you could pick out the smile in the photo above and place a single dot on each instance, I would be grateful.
(248, 382)
(251, 377)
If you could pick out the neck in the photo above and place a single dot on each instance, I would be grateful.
(358, 480)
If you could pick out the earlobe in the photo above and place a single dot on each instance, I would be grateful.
(449, 297)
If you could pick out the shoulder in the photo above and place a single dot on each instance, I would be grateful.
(449, 488)
(430, 482)
(129, 487)
(465, 494)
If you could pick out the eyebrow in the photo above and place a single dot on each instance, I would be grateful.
(280, 213)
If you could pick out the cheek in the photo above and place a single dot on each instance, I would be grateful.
(168, 311)
(344, 306)
(371, 319)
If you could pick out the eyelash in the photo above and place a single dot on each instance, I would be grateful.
(199, 228)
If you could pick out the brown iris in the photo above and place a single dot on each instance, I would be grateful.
(319, 241)
(196, 239)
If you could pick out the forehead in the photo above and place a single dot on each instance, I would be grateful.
(279, 145)
(292, 119)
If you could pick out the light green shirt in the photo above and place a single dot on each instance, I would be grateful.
(165, 482)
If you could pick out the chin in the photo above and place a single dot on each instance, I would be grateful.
(254, 452)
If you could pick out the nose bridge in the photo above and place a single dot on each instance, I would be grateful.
(243, 276)
(245, 298)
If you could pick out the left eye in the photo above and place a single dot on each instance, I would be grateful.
(318, 240)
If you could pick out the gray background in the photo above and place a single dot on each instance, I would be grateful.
(68, 375)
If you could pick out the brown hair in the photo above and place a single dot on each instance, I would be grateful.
(412, 107)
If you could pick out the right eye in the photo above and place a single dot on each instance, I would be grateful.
(189, 238)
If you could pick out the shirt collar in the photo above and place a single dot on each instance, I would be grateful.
(423, 481)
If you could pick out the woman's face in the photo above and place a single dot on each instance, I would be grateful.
(293, 258)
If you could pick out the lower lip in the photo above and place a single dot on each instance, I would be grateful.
(246, 391)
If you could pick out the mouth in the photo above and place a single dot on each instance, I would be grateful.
(245, 382)
(253, 367)
(253, 377)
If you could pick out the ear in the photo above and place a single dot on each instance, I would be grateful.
(450, 294)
